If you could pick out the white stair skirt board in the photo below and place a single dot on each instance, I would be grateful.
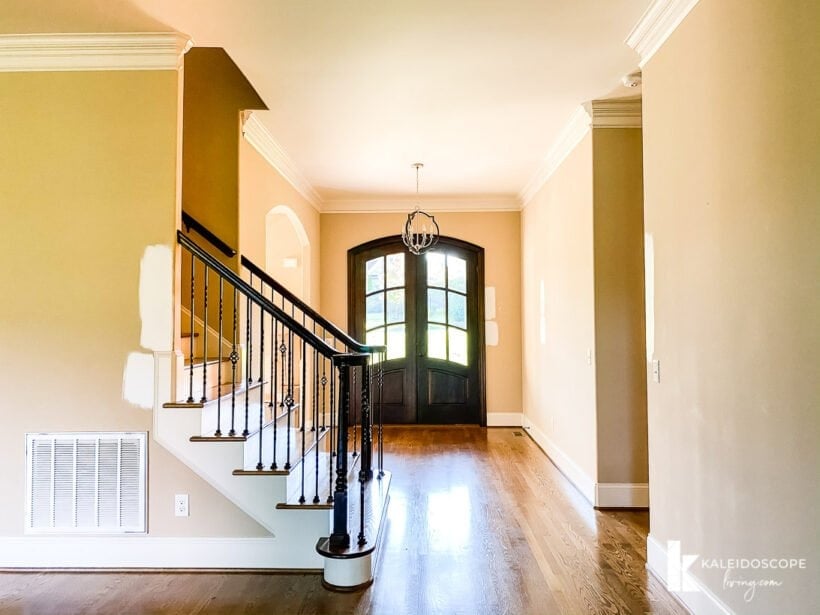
(140, 552)
(505, 419)
(622, 495)
(294, 532)
(582, 481)
(351, 573)
(699, 599)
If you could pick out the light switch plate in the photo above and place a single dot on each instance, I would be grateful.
(656, 370)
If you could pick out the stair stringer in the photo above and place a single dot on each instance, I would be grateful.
(295, 531)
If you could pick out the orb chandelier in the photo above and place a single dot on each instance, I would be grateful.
(421, 231)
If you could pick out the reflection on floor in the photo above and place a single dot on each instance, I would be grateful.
(479, 522)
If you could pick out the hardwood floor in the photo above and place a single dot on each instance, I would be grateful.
(479, 522)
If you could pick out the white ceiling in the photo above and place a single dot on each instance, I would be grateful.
(359, 90)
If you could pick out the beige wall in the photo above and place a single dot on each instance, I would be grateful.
(262, 188)
(620, 349)
(558, 328)
(88, 180)
(497, 232)
(732, 151)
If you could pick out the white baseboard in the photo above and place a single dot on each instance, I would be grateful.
(700, 601)
(564, 462)
(141, 552)
(622, 495)
(505, 419)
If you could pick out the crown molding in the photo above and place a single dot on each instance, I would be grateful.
(263, 142)
(570, 136)
(92, 51)
(656, 25)
(429, 204)
(616, 113)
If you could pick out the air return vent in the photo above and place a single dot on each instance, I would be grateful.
(85, 483)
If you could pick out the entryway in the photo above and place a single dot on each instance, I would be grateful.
(429, 312)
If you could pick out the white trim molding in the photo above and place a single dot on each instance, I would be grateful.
(622, 495)
(145, 552)
(656, 25)
(616, 113)
(699, 599)
(570, 136)
(263, 142)
(580, 479)
(434, 204)
(505, 419)
(93, 51)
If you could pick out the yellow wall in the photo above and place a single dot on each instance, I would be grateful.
(558, 328)
(88, 180)
(497, 232)
(261, 188)
(732, 152)
(620, 349)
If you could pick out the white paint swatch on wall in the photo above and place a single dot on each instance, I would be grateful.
(649, 285)
(156, 297)
(491, 333)
(138, 380)
(489, 302)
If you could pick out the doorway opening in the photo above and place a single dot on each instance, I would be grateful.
(429, 312)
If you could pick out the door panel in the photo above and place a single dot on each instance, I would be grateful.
(428, 311)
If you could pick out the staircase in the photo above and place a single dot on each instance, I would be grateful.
(274, 407)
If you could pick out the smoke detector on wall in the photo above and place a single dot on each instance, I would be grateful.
(633, 79)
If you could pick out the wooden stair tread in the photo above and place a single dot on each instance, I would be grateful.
(376, 498)
(352, 477)
(211, 397)
(313, 438)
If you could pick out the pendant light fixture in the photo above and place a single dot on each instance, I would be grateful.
(421, 230)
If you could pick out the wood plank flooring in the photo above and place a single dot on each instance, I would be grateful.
(479, 522)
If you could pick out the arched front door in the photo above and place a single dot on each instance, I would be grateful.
(429, 312)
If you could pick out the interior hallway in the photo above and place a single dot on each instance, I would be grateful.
(480, 522)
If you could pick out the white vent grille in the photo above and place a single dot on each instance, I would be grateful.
(85, 482)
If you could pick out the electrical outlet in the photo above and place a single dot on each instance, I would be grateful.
(656, 370)
(589, 356)
(181, 505)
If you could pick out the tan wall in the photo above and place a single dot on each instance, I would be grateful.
(732, 151)
(497, 232)
(620, 348)
(558, 331)
(88, 180)
(261, 188)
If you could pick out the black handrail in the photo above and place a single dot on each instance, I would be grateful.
(320, 320)
(192, 223)
(254, 295)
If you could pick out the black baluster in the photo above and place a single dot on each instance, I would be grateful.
(205, 340)
(234, 361)
(260, 465)
(324, 394)
(274, 387)
(289, 398)
(218, 431)
(303, 390)
(382, 359)
(191, 351)
(340, 538)
(353, 417)
(316, 420)
(362, 538)
(366, 469)
(248, 358)
(330, 435)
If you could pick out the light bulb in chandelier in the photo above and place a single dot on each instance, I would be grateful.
(421, 230)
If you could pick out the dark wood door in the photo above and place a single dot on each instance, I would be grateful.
(428, 311)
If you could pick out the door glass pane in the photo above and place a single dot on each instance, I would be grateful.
(456, 273)
(374, 275)
(457, 310)
(395, 269)
(395, 305)
(436, 310)
(458, 345)
(435, 269)
(436, 342)
(395, 342)
(374, 310)
(375, 337)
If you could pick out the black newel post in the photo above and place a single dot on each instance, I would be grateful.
(340, 537)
